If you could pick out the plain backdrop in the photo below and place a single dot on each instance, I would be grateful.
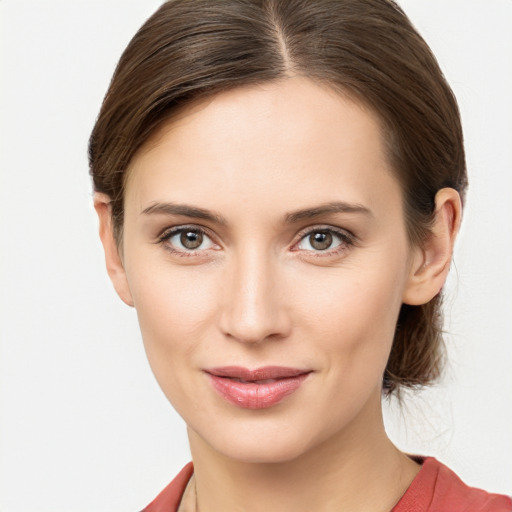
(84, 426)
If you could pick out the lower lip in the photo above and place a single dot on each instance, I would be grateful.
(251, 395)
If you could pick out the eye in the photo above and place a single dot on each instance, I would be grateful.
(326, 240)
(187, 240)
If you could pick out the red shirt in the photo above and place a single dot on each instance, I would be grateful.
(434, 489)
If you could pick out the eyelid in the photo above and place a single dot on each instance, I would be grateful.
(169, 231)
(166, 234)
(346, 236)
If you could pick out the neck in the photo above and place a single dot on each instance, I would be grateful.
(357, 470)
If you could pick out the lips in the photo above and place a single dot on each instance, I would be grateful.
(256, 389)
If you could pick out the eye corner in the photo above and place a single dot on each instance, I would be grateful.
(345, 238)
(165, 239)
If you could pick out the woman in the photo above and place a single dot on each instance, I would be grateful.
(279, 185)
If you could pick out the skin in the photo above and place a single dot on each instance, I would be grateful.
(258, 293)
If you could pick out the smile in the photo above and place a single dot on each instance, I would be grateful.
(256, 389)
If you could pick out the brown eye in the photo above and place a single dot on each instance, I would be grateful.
(320, 240)
(326, 240)
(191, 239)
(187, 241)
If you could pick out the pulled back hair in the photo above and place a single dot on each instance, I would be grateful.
(189, 50)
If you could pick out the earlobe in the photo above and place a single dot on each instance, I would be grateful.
(431, 261)
(113, 260)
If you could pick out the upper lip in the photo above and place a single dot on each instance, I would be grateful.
(263, 373)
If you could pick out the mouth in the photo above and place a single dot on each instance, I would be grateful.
(256, 389)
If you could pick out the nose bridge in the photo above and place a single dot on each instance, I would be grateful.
(253, 309)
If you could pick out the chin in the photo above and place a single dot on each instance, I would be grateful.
(259, 453)
(257, 444)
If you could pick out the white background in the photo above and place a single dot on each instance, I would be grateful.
(84, 426)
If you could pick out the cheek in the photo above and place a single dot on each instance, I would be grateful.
(352, 297)
(175, 306)
(176, 311)
(352, 315)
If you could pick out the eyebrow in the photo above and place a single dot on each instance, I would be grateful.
(195, 212)
(325, 209)
(186, 211)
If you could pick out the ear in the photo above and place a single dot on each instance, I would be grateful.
(431, 261)
(113, 259)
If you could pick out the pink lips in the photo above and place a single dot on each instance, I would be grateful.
(256, 389)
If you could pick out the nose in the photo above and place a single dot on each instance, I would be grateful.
(253, 306)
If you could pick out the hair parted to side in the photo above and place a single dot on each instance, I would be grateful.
(193, 49)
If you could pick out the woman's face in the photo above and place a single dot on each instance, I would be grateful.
(264, 230)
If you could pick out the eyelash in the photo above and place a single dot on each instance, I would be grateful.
(164, 238)
(347, 240)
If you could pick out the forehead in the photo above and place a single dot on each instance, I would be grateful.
(277, 144)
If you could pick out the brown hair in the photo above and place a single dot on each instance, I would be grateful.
(192, 49)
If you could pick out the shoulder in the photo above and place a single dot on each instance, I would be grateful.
(437, 488)
(169, 499)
